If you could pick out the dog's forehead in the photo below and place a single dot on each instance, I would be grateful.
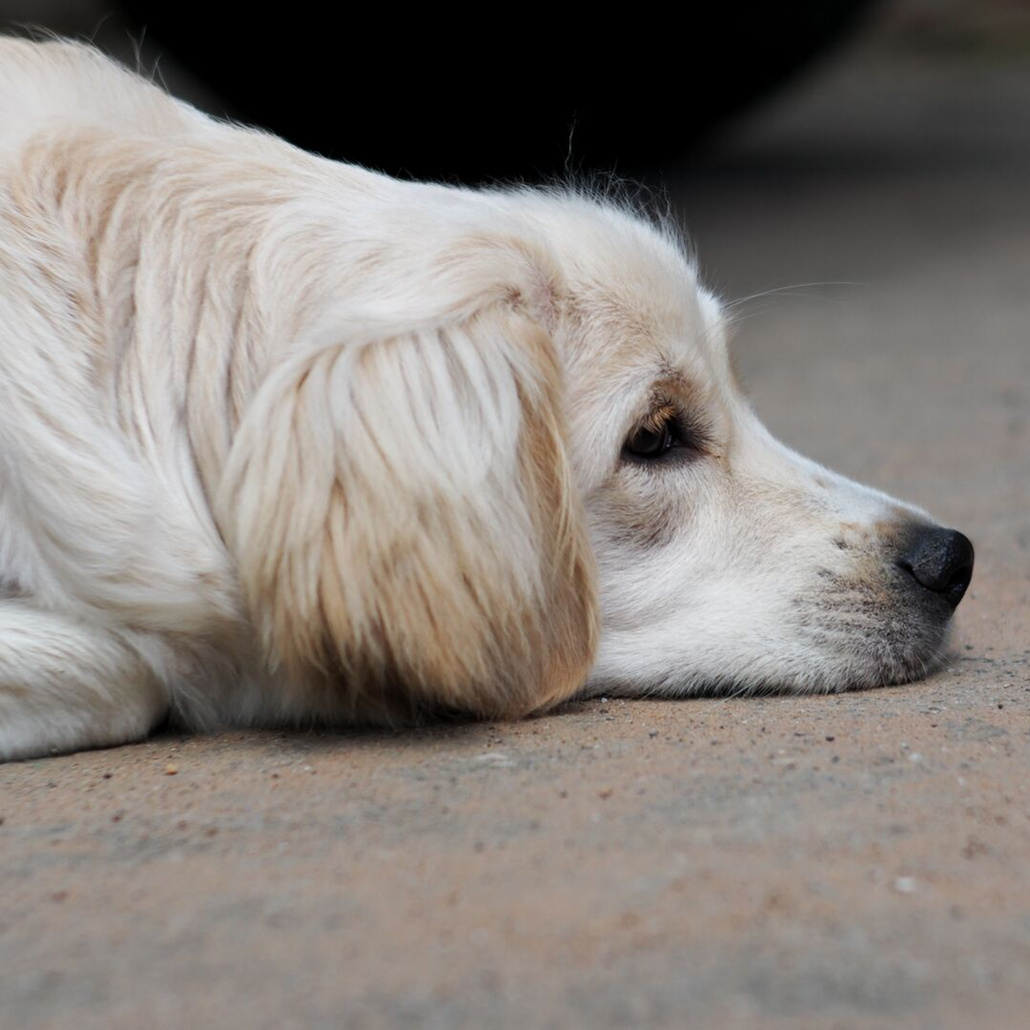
(635, 300)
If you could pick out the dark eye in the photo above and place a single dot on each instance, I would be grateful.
(664, 434)
(668, 433)
(651, 442)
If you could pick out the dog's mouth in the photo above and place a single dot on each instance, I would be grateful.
(886, 619)
(879, 632)
(868, 607)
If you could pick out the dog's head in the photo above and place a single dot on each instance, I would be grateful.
(727, 562)
(535, 412)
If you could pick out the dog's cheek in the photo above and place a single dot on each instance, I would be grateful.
(642, 512)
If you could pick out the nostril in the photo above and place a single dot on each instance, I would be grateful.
(941, 560)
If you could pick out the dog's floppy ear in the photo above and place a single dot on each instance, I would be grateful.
(402, 511)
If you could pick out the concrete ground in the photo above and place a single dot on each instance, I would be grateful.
(851, 861)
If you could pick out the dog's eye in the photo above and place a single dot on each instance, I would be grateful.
(651, 442)
(659, 436)
(667, 433)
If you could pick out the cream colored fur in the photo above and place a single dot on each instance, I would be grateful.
(284, 441)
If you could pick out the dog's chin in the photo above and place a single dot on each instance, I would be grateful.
(862, 663)
(825, 650)
(870, 635)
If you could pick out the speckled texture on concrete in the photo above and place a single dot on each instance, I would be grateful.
(852, 861)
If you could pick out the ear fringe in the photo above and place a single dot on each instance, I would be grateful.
(406, 528)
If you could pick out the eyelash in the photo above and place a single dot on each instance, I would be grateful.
(661, 435)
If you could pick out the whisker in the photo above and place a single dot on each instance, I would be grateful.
(791, 290)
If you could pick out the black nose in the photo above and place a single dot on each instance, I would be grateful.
(940, 560)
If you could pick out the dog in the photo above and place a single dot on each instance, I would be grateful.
(284, 441)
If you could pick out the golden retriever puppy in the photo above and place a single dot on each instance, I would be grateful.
(284, 441)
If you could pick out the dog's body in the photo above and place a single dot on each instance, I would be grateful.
(283, 440)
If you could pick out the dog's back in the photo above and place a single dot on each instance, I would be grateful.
(62, 82)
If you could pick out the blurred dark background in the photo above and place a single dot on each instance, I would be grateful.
(444, 96)
(448, 97)
(426, 95)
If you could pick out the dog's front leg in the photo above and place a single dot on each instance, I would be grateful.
(67, 684)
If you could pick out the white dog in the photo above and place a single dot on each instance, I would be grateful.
(285, 441)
